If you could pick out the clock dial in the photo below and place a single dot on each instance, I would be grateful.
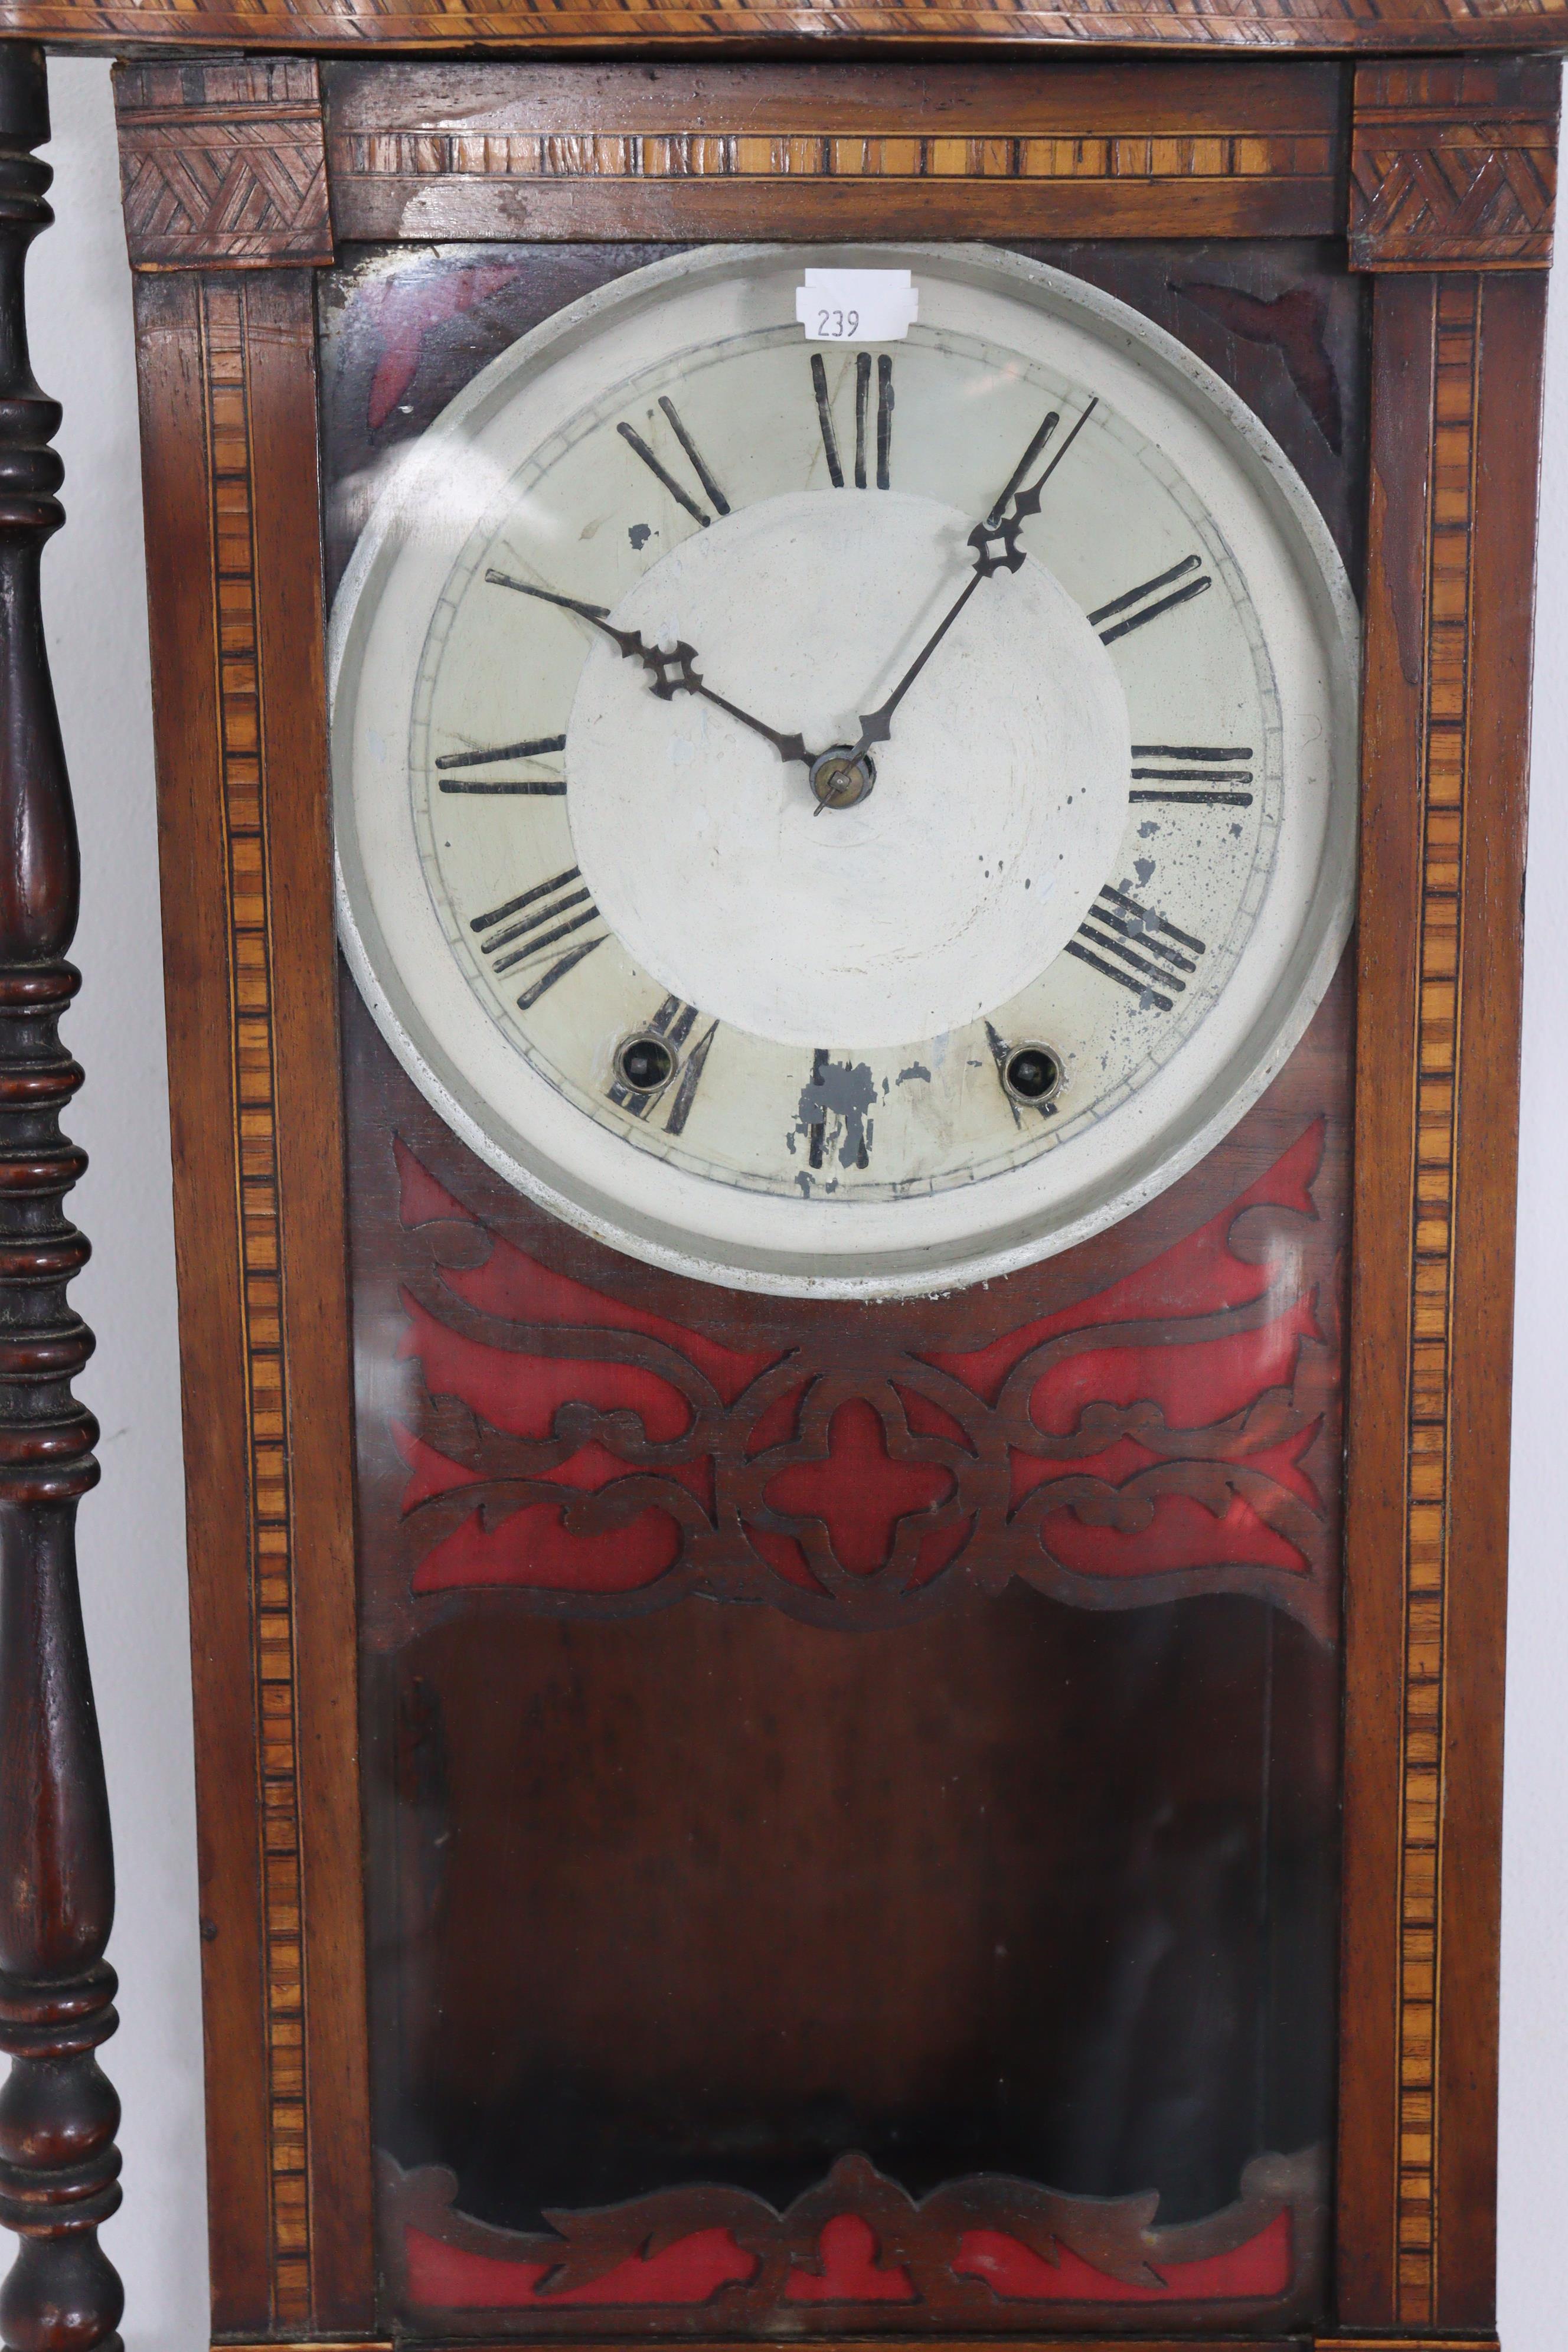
(843, 819)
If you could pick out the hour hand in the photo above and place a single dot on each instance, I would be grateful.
(670, 674)
(995, 541)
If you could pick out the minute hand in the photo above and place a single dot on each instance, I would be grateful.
(876, 726)
(670, 673)
(996, 549)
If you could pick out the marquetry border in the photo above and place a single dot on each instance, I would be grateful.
(773, 155)
(1405, 2344)
(1454, 165)
(226, 368)
(878, 149)
(1428, 1461)
(222, 162)
(1454, 426)
(261, 1307)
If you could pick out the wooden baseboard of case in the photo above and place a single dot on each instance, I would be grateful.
(1043, 2344)
(1114, 2343)
(1405, 2344)
(1108, 2343)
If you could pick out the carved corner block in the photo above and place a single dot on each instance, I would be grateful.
(1454, 165)
(224, 165)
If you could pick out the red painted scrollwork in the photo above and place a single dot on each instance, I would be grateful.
(1149, 1438)
(977, 2249)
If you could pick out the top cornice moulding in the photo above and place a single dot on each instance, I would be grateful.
(534, 27)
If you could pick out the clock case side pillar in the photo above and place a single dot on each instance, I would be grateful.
(58, 2114)
(226, 369)
(1458, 324)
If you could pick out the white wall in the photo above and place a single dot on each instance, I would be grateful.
(132, 1527)
(132, 1536)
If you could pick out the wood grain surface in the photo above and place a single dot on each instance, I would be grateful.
(1454, 166)
(223, 164)
(321, 27)
(1185, 2342)
(228, 386)
(1455, 451)
(1073, 149)
(228, 378)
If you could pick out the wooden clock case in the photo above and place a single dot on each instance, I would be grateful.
(1412, 163)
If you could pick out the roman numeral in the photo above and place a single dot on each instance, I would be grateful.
(690, 1079)
(1198, 776)
(884, 427)
(884, 420)
(825, 419)
(999, 1056)
(1150, 588)
(525, 926)
(1147, 955)
(1029, 1077)
(655, 466)
(816, 1133)
(537, 749)
(558, 971)
(674, 1022)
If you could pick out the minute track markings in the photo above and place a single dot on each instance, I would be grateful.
(1204, 770)
(1161, 955)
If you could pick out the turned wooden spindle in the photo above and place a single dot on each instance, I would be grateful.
(58, 2163)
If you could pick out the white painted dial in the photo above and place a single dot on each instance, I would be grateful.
(844, 821)
(999, 808)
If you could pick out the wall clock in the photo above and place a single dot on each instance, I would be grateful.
(844, 1018)
(1087, 864)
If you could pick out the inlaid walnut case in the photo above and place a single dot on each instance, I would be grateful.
(728, 1816)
